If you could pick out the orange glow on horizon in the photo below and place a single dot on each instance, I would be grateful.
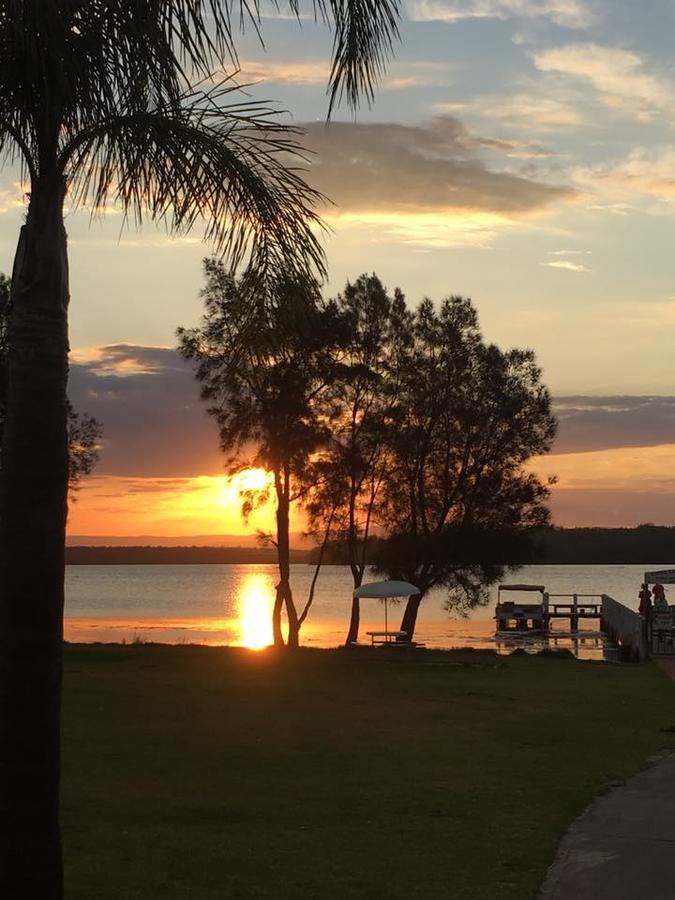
(201, 505)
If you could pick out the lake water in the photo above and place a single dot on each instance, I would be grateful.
(231, 604)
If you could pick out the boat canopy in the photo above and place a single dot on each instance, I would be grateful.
(526, 587)
(663, 576)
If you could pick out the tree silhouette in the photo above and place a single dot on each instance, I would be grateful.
(263, 367)
(101, 102)
(346, 477)
(457, 503)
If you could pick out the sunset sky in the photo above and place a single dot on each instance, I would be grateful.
(520, 152)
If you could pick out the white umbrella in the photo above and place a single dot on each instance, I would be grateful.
(384, 590)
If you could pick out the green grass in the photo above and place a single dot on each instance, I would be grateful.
(210, 773)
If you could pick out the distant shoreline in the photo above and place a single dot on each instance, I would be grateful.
(644, 545)
(158, 556)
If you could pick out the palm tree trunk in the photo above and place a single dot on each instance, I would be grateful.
(33, 509)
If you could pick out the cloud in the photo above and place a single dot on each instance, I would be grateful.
(643, 181)
(428, 230)
(567, 13)
(292, 73)
(124, 360)
(603, 423)
(614, 454)
(13, 196)
(618, 75)
(424, 185)
(155, 424)
(640, 468)
(148, 401)
(527, 110)
(399, 75)
(645, 171)
(577, 85)
(567, 264)
(430, 176)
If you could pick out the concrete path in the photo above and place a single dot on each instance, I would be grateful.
(667, 664)
(623, 846)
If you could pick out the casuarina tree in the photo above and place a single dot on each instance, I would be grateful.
(345, 478)
(265, 366)
(115, 101)
(458, 502)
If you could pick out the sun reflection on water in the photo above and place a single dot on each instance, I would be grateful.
(255, 600)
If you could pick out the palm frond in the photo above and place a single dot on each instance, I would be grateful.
(235, 167)
(365, 32)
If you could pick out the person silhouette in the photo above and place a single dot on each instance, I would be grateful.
(660, 602)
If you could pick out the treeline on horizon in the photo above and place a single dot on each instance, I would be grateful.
(646, 544)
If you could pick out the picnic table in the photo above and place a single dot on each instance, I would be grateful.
(386, 637)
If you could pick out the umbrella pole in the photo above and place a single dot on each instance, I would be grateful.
(386, 626)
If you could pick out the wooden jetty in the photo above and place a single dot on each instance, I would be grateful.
(514, 614)
(625, 627)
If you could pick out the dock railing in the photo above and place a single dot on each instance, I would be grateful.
(625, 627)
(583, 606)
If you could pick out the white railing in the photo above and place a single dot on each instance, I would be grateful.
(625, 627)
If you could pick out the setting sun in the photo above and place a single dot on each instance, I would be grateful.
(252, 480)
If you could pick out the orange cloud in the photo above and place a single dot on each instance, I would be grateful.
(649, 469)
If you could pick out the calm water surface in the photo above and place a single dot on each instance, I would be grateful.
(231, 604)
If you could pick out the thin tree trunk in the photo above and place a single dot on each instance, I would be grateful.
(409, 620)
(317, 569)
(354, 622)
(293, 621)
(33, 509)
(276, 618)
(357, 572)
(355, 617)
(284, 558)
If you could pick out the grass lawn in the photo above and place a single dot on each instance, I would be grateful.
(215, 773)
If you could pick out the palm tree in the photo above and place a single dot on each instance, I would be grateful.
(102, 101)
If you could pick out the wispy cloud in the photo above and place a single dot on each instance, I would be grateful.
(292, 73)
(13, 196)
(527, 110)
(568, 13)
(429, 231)
(643, 180)
(400, 75)
(619, 76)
(567, 264)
